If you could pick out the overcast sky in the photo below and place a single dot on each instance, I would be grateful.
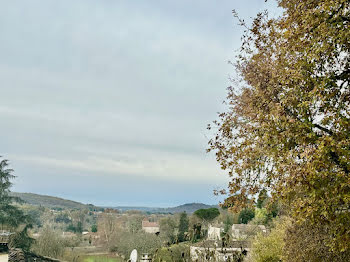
(107, 101)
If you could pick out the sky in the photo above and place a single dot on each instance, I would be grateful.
(107, 101)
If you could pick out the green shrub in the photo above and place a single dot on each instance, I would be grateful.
(269, 247)
(261, 217)
(180, 252)
(124, 242)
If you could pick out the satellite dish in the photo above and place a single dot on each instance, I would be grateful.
(133, 256)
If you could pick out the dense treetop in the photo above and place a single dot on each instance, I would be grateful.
(287, 124)
(207, 214)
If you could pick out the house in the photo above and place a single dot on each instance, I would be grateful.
(214, 232)
(243, 231)
(145, 258)
(202, 254)
(150, 227)
(212, 250)
(4, 237)
(68, 234)
(228, 248)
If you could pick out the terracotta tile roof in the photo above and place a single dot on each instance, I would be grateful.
(146, 223)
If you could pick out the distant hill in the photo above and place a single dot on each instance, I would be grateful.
(50, 201)
(56, 202)
(188, 208)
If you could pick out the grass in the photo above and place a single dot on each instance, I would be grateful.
(101, 258)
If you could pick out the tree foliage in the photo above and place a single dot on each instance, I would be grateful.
(183, 227)
(208, 214)
(270, 247)
(94, 228)
(10, 215)
(246, 215)
(50, 243)
(287, 126)
(176, 253)
(143, 242)
(21, 238)
(312, 240)
(167, 227)
(107, 227)
(134, 223)
(228, 222)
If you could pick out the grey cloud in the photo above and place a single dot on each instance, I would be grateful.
(95, 93)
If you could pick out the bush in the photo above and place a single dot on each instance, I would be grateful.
(124, 242)
(49, 243)
(180, 252)
(269, 247)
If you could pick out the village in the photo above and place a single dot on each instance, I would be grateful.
(74, 235)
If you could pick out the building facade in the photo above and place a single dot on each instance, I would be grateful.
(150, 227)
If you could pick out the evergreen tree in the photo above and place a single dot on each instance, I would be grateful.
(183, 226)
(11, 217)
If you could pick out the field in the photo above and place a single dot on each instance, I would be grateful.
(100, 258)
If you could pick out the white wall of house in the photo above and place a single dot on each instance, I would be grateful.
(214, 233)
(243, 231)
(200, 253)
(151, 230)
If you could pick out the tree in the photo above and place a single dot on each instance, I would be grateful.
(228, 222)
(21, 238)
(183, 227)
(311, 239)
(208, 214)
(78, 219)
(108, 227)
(134, 223)
(63, 218)
(94, 228)
(143, 242)
(79, 227)
(287, 126)
(269, 247)
(49, 243)
(167, 227)
(261, 217)
(176, 253)
(246, 215)
(12, 217)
